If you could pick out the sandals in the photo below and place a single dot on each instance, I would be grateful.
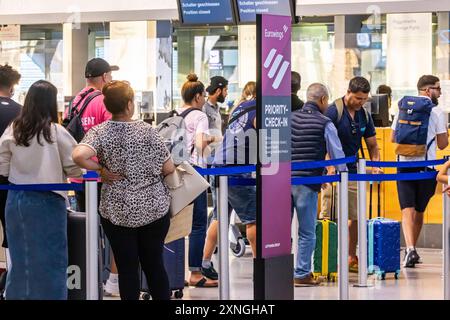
(203, 283)
(353, 266)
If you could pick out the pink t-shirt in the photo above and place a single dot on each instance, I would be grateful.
(196, 123)
(94, 114)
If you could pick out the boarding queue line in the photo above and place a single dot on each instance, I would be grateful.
(342, 179)
(92, 220)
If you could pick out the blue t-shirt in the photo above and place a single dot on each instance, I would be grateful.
(351, 131)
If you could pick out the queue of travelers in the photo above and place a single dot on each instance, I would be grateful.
(132, 160)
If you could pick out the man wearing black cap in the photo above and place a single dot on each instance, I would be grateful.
(217, 92)
(97, 74)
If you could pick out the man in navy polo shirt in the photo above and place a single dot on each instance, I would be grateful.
(353, 123)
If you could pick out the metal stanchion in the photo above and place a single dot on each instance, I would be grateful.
(343, 237)
(224, 278)
(294, 235)
(92, 249)
(446, 245)
(362, 228)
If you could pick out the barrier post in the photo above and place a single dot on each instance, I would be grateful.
(343, 237)
(224, 278)
(446, 245)
(362, 228)
(92, 248)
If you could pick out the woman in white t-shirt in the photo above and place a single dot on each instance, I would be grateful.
(196, 121)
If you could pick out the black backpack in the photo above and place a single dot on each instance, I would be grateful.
(73, 122)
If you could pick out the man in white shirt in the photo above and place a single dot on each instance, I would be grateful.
(415, 195)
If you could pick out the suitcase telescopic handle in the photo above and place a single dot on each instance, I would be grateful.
(378, 200)
(370, 199)
(333, 204)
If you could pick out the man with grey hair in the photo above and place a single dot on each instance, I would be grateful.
(313, 136)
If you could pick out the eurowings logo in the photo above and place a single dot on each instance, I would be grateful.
(276, 72)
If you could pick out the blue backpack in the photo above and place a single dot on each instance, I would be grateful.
(412, 126)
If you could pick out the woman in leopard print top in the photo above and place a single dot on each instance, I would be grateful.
(134, 206)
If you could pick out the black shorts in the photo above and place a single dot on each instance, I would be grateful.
(415, 194)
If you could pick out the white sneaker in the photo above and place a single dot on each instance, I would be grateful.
(111, 289)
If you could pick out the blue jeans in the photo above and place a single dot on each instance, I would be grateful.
(198, 234)
(37, 238)
(305, 202)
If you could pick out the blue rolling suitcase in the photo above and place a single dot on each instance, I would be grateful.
(383, 243)
(174, 264)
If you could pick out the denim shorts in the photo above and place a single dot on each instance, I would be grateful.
(243, 200)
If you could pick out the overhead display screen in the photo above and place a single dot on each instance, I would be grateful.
(248, 9)
(206, 12)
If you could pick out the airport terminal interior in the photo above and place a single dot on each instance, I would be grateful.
(156, 44)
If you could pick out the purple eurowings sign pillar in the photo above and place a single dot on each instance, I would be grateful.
(274, 261)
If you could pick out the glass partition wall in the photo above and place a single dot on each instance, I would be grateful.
(156, 56)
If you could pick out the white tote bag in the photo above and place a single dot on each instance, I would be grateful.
(185, 185)
(180, 224)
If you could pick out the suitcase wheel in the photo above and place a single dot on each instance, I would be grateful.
(146, 296)
(239, 249)
(397, 274)
(332, 277)
(381, 276)
(178, 294)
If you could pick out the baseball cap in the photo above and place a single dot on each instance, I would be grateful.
(97, 66)
(217, 82)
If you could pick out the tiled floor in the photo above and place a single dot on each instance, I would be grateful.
(423, 282)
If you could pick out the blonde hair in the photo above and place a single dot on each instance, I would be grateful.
(248, 93)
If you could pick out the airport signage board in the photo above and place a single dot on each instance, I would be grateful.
(248, 9)
(274, 124)
(206, 12)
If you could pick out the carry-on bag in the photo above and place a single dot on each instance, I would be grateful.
(76, 271)
(325, 257)
(174, 256)
(383, 243)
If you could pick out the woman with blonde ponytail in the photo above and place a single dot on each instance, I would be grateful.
(248, 93)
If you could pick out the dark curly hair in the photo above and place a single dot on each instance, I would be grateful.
(9, 77)
(359, 84)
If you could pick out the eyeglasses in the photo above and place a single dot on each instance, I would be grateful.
(435, 88)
